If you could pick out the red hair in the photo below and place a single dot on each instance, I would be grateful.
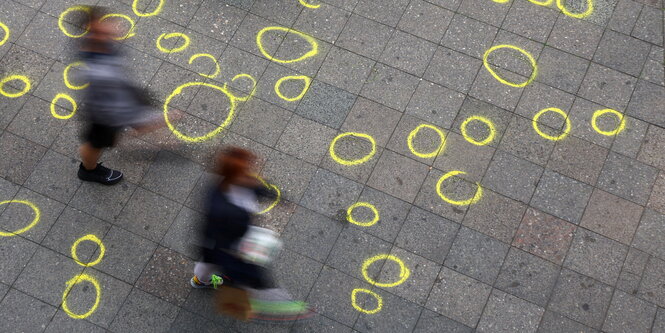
(233, 163)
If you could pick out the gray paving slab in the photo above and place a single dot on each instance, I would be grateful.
(628, 312)
(458, 297)
(512, 176)
(595, 256)
(144, 312)
(452, 69)
(476, 255)
(506, 313)
(527, 276)
(649, 289)
(16, 319)
(420, 13)
(629, 179)
(561, 196)
(389, 86)
(554, 322)
(427, 235)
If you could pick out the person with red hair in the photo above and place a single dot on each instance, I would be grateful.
(231, 203)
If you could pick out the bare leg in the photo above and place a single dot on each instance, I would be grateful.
(89, 156)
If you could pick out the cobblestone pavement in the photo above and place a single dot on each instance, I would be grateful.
(492, 215)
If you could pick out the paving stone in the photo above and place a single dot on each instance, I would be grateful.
(392, 214)
(14, 317)
(26, 62)
(320, 324)
(295, 46)
(476, 255)
(496, 216)
(625, 15)
(561, 196)
(71, 225)
(144, 312)
(522, 141)
(279, 169)
(408, 53)
(182, 173)
(469, 36)
(20, 157)
(55, 177)
(435, 104)
(659, 323)
(458, 297)
(331, 292)
(201, 302)
(651, 285)
(365, 37)
(653, 70)
(491, 90)
(244, 37)
(45, 270)
(10, 108)
(651, 152)
(657, 199)
(427, 235)
(534, 22)
(649, 237)
(629, 179)
(326, 104)
(527, 276)
(236, 61)
(305, 139)
(17, 216)
(553, 322)
(16, 17)
(628, 282)
(330, 194)
(459, 154)
(170, 76)
(421, 13)
(183, 235)
(582, 45)
(389, 86)
(15, 252)
(372, 118)
(7, 190)
(101, 201)
(132, 156)
(296, 273)
(398, 176)
(452, 69)
(282, 12)
(352, 248)
(455, 188)
(596, 256)
(261, 121)
(43, 36)
(167, 276)
(567, 159)
(63, 323)
(512, 176)
(199, 44)
(612, 216)
(33, 124)
(646, 99)
(431, 322)
(386, 12)
(627, 143)
(187, 322)
(415, 289)
(629, 314)
(506, 313)
(581, 298)
(607, 86)
(217, 20)
(325, 23)
(401, 316)
(311, 234)
(561, 70)
(646, 27)
(614, 48)
(126, 254)
(544, 235)
(491, 13)
(148, 214)
(345, 69)
(580, 116)
(477, 130)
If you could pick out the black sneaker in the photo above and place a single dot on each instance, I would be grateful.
(100, 174)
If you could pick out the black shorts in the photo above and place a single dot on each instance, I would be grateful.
(101, 136)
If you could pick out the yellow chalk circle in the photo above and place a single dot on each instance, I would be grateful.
(309, 5)
(277, 199)
(619, 115)
(25, 80)
(349, 214)
(501, 1)
(542, 3)
(251, 93)
(536, 127)
(279, 82)
(6, 30)
(476, 197)
(210, 134)
(435, 152)
(61, 20)
(403, 270)
(34, 222)
(65, 76)
(308, 38)
(169, 36)
(69, 99)
(209, 56)
(534, 66)
(93, 239)
(70, 284)
(587, 12)
(485, 121)
(354, 302)
(130, 32)
(361, 160)
(152, 13)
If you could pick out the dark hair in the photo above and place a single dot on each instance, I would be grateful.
(232, 163)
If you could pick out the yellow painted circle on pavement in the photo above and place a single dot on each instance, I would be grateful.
(279, 82)
(69, 99)
(61, 20)
(536, 127)
(22, 78)
(91, 238)
(490, 127)
(34, 222)
(403, 270)
(435, 152)
(534, 65)
(476, 197)
(157, 10)
(169, 36)
(354, 302)
(7, 33)
(309, 5)
(361, 160)
(587, 12)
(65, 76)
(70, 284)
(251, 93)
(313, 43)
(130, 32)
(209, 56)
(619, 115)
(277, 198)
(349, 214)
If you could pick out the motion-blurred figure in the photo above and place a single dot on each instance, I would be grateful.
(230, 244)
(112, 101)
